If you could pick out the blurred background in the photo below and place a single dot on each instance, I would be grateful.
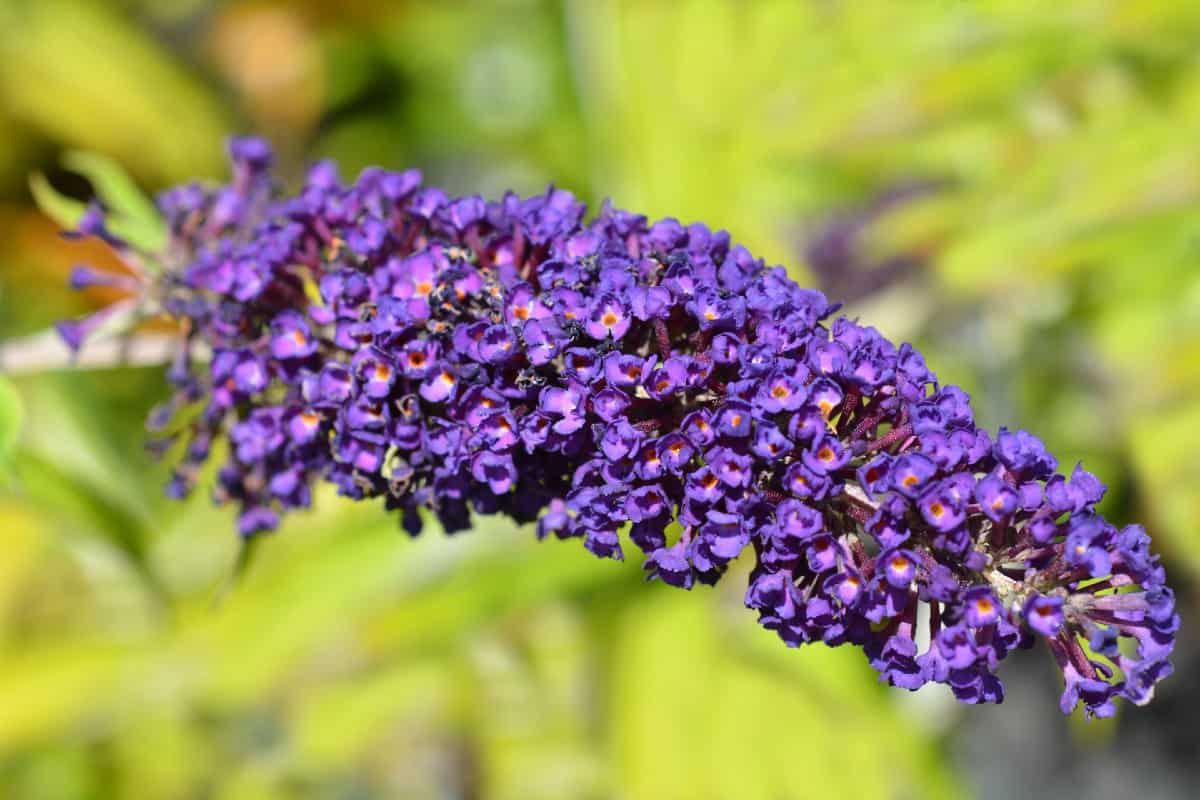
(1013, 186)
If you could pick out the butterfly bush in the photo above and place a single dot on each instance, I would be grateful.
(638, 384)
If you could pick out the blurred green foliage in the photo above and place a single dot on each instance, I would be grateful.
(1059, 283)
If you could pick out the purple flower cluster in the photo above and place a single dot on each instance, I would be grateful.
(623, 382)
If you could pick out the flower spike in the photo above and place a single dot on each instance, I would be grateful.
(623, 382)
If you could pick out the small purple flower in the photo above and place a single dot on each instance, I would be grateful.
(556, 519)
(1045, 615)
(625, 371)
(941, 508)
(334, 386)
(619, 440)
(606, 318)
(982, 608)
(649, 466)
(564, 404)
(609, 404)
(847, 587)
(874, 476)
(798, 520)
(249, 374)
(697, 427)
(825, 395)
(291, 337)
(911, 473)
(733, 419)
(257, 519)
(647, 503)
(499, 431)
(731, 467)
(675, 451)
(822, 553)
(376, 374)
(803, 482)
(663, 382)
(825, 455)
(1024, 454)
(996, 498)
(704, 485)
(769, 442)
(439, 386)
(498, 344)
(84, 277)
(418, 359)
(303, 427)
(899, 567)
(671, 566)
(781, 392)
(496, 470)
(772, 592)
(956, 647)
(543, 341)
(603, 543)
(524, 305)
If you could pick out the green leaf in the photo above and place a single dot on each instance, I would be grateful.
(130, 207)
(1169, 475)
(697, 713)
(92, 75)
(131, 215)
(247, 548)
(11, 414)
(65, 211)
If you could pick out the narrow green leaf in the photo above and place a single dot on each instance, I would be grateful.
(145, 233)
(119, 193)
(241, 565)
(11, 414)
(62, 209)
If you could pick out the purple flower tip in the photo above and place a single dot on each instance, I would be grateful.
(72, 332)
